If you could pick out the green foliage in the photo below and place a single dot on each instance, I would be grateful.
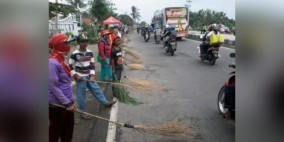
(69, 33)
(102, 9)
(143, 23)
(90, 32)
(80, 3)
(63, 9)
(206, 17)
(135, 13)
(126, 19)
(122, 94)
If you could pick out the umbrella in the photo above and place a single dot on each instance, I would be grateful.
(111, 20)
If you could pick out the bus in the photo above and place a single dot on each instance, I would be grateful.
(174, 16)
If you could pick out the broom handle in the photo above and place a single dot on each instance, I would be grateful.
(102, 118)
(113, 83)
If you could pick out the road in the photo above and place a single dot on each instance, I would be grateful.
(190, 95)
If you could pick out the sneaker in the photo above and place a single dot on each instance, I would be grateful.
(109, 104)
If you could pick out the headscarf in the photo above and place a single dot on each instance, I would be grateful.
(59, 46)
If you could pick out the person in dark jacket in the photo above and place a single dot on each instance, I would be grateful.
(116, 54)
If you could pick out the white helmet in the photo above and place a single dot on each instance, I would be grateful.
(167, 26)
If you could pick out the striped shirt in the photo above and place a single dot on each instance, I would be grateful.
(82, 63)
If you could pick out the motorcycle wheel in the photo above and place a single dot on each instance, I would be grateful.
(211, 58)
(172, 53)
(213, 62)
(221, 101)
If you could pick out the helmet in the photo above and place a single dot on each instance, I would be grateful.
(82, 37)
(169, 27)
(214, 27)
(59, 42)
(104, 32)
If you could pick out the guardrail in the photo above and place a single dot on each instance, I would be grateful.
(197, 37)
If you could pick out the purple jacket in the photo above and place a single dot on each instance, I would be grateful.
(60, 89)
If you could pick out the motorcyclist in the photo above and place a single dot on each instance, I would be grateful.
(208, 40)
(171, 33)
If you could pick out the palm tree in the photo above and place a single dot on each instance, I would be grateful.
(135, 13)
(77, 3)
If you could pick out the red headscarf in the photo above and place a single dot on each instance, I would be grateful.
(57, 43)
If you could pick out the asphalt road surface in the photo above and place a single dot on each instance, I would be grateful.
(190, 93)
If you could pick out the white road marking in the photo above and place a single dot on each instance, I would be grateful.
(112, 127)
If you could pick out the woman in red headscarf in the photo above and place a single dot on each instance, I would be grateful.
(60, 91)
(104, 56)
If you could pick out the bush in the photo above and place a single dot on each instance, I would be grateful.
(69, 33)
(91, 33)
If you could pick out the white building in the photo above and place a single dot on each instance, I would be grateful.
(71, 23)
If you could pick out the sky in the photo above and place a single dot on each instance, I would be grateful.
(148, 7)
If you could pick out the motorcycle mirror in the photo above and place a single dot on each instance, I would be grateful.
(232, 55)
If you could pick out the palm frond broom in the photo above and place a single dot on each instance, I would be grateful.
(122, 95)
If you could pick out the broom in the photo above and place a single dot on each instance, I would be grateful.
(132, 53)
(135, 66)
(115, 84)
(171, 129)
(122, 94)
(135, 61)
(143, 84)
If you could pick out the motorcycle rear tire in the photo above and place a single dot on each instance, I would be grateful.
(213, 62)
(221, 97)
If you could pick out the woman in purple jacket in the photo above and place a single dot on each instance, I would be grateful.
(60, 91)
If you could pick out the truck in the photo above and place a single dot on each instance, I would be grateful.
(177, 17)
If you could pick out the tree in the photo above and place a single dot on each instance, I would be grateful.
(143, 23)
(102, 9)
(61, 9)
(126, 19)
(77, 3)
(135, 13)
(206, 17)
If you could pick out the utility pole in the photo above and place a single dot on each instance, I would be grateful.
(56, 21)
(188, 4)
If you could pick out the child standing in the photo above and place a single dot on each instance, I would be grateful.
(116, 56)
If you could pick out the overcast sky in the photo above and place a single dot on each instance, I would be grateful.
(148, 7)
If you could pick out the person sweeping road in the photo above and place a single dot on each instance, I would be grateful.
(84, 74)
(104, 56)
(60, 91)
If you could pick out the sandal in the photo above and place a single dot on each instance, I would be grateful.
(86, 117)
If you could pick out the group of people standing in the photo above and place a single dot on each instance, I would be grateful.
(81, 67)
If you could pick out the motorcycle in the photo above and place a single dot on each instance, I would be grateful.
(211, 55)
(158, 36)
(225, 111)
(171, 45)
(147, 36)
(142, 32)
